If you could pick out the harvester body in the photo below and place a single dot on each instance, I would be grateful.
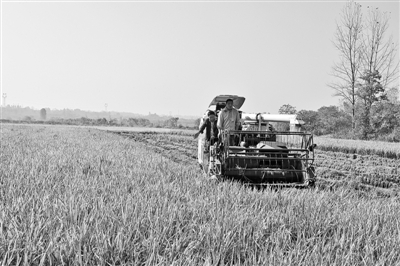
(258, 154)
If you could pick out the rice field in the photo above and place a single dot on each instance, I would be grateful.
(82, 196)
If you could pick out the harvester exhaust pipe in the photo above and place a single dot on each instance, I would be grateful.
(259, 118)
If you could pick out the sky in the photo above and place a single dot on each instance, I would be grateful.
(171, 57)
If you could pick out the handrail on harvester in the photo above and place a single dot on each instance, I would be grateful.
(262, 149)
(270, 132)
(286, 118)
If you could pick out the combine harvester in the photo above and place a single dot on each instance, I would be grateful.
(256, 154)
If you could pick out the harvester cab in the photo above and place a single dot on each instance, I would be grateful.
(257, 153)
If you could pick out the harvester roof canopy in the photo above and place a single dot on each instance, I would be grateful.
(237, 100)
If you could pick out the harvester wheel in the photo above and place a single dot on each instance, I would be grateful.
(310, 176)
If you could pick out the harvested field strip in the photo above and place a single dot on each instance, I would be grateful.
(367, 169)
(177, 147)
(379, 148)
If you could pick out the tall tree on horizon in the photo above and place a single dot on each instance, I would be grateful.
(348, 41)
(43, 114)
(364, 47)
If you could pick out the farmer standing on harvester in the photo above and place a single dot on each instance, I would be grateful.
(210, 124)
(228, 118)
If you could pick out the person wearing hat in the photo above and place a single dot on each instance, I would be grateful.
(228, 118)
(210, 124)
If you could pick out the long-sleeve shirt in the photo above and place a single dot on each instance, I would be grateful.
(228, 119)
(209, 126)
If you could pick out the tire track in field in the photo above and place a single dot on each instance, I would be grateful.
(179, 151)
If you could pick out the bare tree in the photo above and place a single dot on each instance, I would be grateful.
(348, 41)
(379, 52)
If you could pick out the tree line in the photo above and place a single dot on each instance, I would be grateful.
(122, 122)
(337, 122)
(18, 114)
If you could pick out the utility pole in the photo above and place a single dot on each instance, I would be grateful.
(4, 99)
(109, 114)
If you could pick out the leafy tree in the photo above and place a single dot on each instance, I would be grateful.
(101, 121)
(333, 120)
(287, 109)
(392, 94)
(28, 118)
(284, 109)
(113, 122)
(385, 118)
(310, 119)
(43, 114)
(172, 122)
(369, 92)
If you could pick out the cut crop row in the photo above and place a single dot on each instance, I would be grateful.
(379, 148)
(368, 169)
